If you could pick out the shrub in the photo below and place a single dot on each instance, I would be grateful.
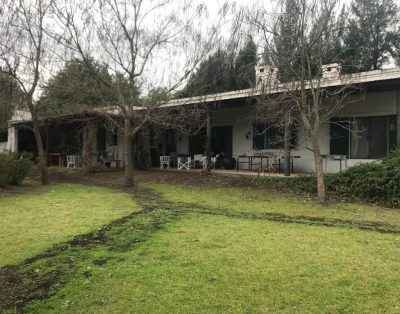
(378, 181)
(13, 168)
(307, 184)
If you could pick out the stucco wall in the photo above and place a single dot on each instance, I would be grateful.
(238, 118)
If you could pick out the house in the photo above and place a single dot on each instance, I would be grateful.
(366, 129)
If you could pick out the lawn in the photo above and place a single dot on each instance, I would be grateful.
(30, 224)
(261, 201)
(218, 250)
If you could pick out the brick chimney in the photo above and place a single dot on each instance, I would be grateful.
(266, 75)
(330, 71)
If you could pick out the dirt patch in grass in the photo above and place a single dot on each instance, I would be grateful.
(17, 289)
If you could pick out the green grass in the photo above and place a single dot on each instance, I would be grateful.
(198, 250)
(30, 224)
(208, 264)
(264, 201)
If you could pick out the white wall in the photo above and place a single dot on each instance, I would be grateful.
(238, 118)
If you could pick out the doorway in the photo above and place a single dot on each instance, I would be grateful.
(221, 141)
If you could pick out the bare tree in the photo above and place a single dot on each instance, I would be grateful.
(134, 39)
(310, 95)
(23, 52)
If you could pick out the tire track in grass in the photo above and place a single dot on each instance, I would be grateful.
(307, 220)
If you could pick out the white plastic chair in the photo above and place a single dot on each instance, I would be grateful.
(197, 160)
(72, 161)
(164, 161)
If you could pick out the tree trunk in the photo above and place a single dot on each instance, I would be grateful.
(42, 160)
(209, 139)
(319, 171)
(286, 163)
(128, 159)
(88, 147)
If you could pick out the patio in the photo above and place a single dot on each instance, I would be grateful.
(230, 173)
(251, 165)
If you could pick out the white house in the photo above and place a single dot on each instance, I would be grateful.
(373, 128)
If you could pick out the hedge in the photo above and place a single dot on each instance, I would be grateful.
(377, 182)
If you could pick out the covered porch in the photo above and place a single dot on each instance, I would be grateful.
(71, 142)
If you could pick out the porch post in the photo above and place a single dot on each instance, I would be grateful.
(398, 119)
(12, 142)
(208, 148)
(286, 164)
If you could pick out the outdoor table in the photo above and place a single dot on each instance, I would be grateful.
(55, 159)
(339, 158)
(291, 163)
(249, 160)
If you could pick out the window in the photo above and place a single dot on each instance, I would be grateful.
(266, 136)
(170, 140)
(3, 136)
(114, 138)
(101, 139)
(364, 137)
(339, 134)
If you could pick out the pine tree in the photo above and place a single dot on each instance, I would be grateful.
(74, 88)
(373, 34)
(11, 98)
(283, 51)
(244, 66)
(215, 75)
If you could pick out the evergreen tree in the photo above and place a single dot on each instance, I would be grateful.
(244, 66)
(215, 75)
(373, 34)
(284, 47)
(11, 98)
(283, 50)
(74, 88)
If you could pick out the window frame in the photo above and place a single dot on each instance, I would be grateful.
(267, 130)
(350, 120)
